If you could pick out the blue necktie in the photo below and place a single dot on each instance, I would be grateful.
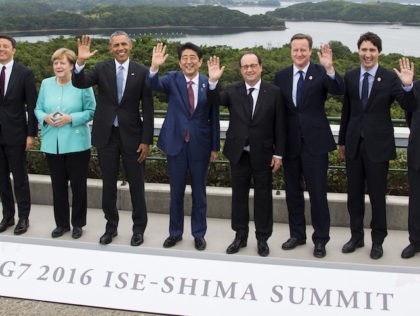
(120, 81)
(299, 87)
(365, 90)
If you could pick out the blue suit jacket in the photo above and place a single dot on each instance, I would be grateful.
(203, 124)
(308, 121)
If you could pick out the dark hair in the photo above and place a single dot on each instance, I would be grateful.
(302, 36)
(370, 37)
(250, 53)
(191, 46)
(11, 39)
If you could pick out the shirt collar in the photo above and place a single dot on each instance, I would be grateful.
(8, 65)
(256, 86)
(195, 79)
(296, 69)
(124, 64)
(371, 71)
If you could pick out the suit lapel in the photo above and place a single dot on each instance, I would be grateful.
(182, 87)
(112, 75)
(376, 86)
(244, 109)
(13, 77)
(260, 100)
(202, 92)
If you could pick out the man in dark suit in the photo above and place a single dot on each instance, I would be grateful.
(413, 162)
(309, 139)
(18, 127)
(366, 137)
(254, 145)
(118, 129)
(190, 137)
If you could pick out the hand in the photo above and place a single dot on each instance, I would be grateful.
(158, 57)
(406, 73)
(60, 119)
(29, 142)
(143, 150)
(213, 155)
(342, 151)
(83, 49)
(326, 58)
(275, 164)
(215, 72)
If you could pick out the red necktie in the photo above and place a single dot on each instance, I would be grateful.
(3, 80)
(191, 96)
(191, 107)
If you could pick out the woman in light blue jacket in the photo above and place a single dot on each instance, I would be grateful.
(64, 112)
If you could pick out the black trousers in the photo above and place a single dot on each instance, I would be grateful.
(414, 206)
(242, 173)
(360, 171)
(109, 161)
(71, 167)
(13, 159)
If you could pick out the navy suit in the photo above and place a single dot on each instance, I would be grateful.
(368, 136)
(309, 139)
(17, 122)
(194, 155)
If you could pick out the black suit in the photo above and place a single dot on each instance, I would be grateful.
(368, 136)
(112, 142)
(17, 122)
(413, 161)
(265, 133)
(309, 139)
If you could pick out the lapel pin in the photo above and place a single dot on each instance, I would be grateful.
(379, 79)
(132, 73)
(204, 85)
(310, 77)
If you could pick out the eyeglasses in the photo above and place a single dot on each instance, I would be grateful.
(252, 66)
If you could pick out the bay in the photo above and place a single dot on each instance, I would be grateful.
(396, 38)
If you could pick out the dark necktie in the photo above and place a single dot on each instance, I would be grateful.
(299, 87)
(365, 90)
(251, 100)
(191, 96)
(3, 80)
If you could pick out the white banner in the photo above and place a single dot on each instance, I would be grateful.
(206, 284)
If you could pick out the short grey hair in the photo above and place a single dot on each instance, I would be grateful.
(119, 33)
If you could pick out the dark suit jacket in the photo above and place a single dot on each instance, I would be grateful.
(203, 124)
(308, 120)
(133, 130)
(375, 120)
(266, 129)
(413, 122)
(20, 98)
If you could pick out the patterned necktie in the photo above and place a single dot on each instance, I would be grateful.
(251, 100)
(299, 87)
(191, 96)
(365, 90)
(120, 82)
(3, 80)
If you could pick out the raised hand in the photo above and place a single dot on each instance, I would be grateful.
(406, 72)
(325, 56)
(158, 57)
(215, 72)
(83, 49)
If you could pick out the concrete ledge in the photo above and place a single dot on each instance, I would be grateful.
(219, 202)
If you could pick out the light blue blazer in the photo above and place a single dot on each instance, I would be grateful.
(79, 103)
